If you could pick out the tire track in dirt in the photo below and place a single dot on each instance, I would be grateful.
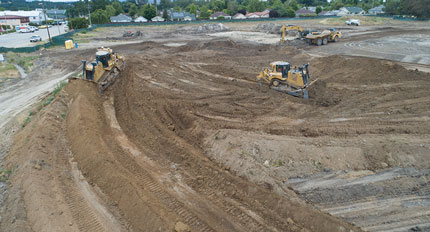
(147, 181)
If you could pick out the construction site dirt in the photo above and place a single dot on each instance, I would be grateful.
(186, 140)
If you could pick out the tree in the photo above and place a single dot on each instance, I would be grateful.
(78, 23)
(255, 6)
(318, 10)
(242, 11)
(118, 8)
(192, 9)
(110, 11)
(165, 4)
(98, 4)
(273, 14)
(99, 17)
(232, 7)
(290, 13)
(149, 11)
(218, 5)
(165, 15)
(133, 10)
(306, 2)
(419, 8)
(204, 12)
(293, 4)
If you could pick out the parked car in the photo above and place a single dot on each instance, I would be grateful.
(353, 22)
(35, 38)
(34, 28)
(57, 23)
(25, 30)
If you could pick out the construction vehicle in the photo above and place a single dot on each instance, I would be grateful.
(105, 69)
(322, 38)
(282, 78)
(285, 28)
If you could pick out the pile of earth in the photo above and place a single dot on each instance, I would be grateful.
(205, 28)
(132, 34)
(272, 28)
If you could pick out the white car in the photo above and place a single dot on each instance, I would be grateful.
(353, 22)
(26, 30)
(33, 28)
(35, 38)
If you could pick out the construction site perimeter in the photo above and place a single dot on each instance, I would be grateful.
(187, 140)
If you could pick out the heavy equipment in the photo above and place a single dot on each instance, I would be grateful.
(322, 38)
(105, 69)
(285, 28)
(282, 78)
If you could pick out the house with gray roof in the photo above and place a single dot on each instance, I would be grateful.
(182, 16)
(218, 14)
(351, 11)
(377, 10)
(120, 19)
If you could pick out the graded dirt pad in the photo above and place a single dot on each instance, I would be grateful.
(187, 138)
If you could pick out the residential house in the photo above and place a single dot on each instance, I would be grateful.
(239, 16)
(252, 16)
(35, 16)
(328, 13)
(141, 20)
(263, 14)
(120, 19)
(351, 11)
(57, 15)
(312, 8)
(157, 19)
(14, 20)
(218, 14)
(304, 11)
(377, 10)
(182, 16)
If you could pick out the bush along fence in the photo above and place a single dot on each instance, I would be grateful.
(60, 39)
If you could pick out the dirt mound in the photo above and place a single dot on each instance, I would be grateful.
(215, 44)
(272, 28)
(203, 29)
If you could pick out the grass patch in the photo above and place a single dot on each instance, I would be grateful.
(4, 174)
(364, 20)
(8, 71)
(25, 61)
(59, 87)
(48, 100)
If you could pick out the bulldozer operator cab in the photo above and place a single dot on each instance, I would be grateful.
(103, 57)
(281, 67)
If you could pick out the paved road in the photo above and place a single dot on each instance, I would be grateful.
(17, 39)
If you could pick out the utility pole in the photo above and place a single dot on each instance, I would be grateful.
(89, 14)
(46, 21)
(58, 23)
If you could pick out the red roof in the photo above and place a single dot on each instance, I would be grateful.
(12, 17)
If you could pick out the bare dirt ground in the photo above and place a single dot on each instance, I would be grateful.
(187, 141)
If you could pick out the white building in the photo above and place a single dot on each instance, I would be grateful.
(35, 16)
(157, 19)
(141, 20)
(239, 16)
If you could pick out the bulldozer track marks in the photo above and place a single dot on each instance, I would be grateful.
(81, 212)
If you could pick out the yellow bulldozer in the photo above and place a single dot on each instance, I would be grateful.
(282, 78)
(322, 38)
(285, 28)
(105, 69)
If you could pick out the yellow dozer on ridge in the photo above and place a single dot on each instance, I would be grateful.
(282, 78)
(105, 69)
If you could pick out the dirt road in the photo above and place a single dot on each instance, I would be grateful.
(187, 139)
